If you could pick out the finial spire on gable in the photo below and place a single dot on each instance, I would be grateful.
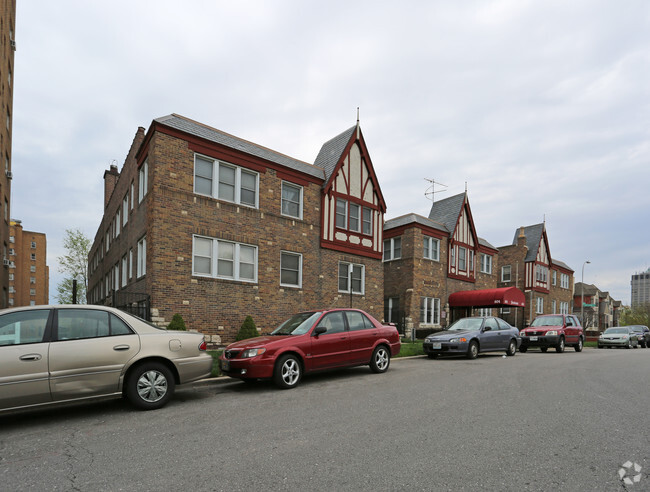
(357, 122)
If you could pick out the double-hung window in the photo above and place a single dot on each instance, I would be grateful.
(392, 249)
(143, 181)
(124, 271)
(429, 311)
(539, 309)
(355, 217)
(341, 213)
(367, 221)
(291, 200)
(462, 259)
(224, 259)
(125, 210)
(431, 248)
(225, 181)
(506, 273)
(141, 267)
(352, 277)
(290, 269)
(486, 263)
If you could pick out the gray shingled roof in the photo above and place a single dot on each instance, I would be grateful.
(192, 127)
(447, 211)
(562, 264)
(331, 152)
(403, 220)
(533, 237)
(483, 242)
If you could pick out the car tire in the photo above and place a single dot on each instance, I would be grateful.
(512, 348)
(544, 349)
(523, 349)
(380, 360)
(288, 372)
(629, 345)
(472, 350)
(150, 386)
(600, 346)
(560, 346)
(578, 346)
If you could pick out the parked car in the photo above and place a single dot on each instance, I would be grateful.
(58, 354)
(313, 341)
(471, 336)
(618, 336)
(553, 330)
(642, 334)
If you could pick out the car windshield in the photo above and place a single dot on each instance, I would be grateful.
(298, 324)
(471, 324)
(547, 321)
(616, 330)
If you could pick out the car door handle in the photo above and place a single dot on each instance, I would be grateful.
(121, 347)
(30, 357)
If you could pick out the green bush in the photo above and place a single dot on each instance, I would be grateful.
(247, 330)
(177, 323)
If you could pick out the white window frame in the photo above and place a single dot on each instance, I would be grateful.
(117, 223)
(216, 168)
(141, 267)
(486, 263)
(132, 194)
(539, 305)
(366, 223)
(429, 311)
(124, 271)
(564, 281)
(131, 263)
(236, 260)
(143, 181)
(291, 253)
(504, 269)
(505, 310)
(462, 259)
(125, 210)
(429, 252)
(389, 252)
(338, 214)
(283, 200)
(356, 216)
(355, 266)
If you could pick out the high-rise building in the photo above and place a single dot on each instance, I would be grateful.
(640, 288)
(29, 275)
(7, 49)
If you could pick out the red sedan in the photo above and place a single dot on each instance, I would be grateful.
(313, 341)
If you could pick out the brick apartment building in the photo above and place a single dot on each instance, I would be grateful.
(600, 310)
(7, 49)
(29, 275)
(213, 227)
(527, 264)
(431, 263)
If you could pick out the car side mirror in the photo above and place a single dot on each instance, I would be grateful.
(487, 328)
(319, 330)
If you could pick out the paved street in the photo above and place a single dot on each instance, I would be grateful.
(532, 422)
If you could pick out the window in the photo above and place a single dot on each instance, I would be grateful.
(75, 324)
(130, 263)
(224, 259)
(541, 273)
(392, 249)
(33, 256)
(141, 267)
(12, 239)
(125, 210)
(462, 259)
(225, 181)
(32, 280)
(539, 308)
(564, 281)
(505, 310)
(429, 311)
(132, 192)
(484, 312)
(33, 245)
(357, 321)
(554, 307)
(350, 273)
(23, 327)
(143, 178)
(355, 218)
(32, 292)
(117, 223)
(341, 214)
(32, 268)
(554, 277)
(431, 248)
(12, 251)
(333, 322)
(290, 269)
(116, 276)
(108, 240)
(506, 273)
(124, 271)
(471, 260)
(291, 200)
(486, 263)
(367, 221)
(564, 308)
(11, 277)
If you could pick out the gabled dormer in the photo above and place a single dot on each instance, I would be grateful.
(455, 213)
(352, 205)
(538, 258)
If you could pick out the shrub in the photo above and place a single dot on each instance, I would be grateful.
(177, 323)
(247, 330)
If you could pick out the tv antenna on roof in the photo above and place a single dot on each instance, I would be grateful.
(431, 190)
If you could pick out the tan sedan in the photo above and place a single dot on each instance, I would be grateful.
(57, 354)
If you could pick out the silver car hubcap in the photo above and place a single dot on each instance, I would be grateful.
(290, 372)
(152, 386)
(381, 360)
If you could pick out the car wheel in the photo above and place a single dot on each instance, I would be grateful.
(433, 356)
(600, 346)
(544, 349)
(629, 345)
(578, 346)
(150, 386)
(523, 349)
(472, 350)
(287, 372)
(512, 348)
(380, 359)
(560, 346)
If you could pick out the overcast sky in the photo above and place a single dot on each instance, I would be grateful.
(541, 107)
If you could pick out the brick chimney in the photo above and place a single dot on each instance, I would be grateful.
(110, 179)
(521, 239)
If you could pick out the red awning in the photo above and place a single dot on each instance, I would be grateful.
(506, 296)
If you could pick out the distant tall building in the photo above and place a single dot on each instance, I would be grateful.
(7, 48)
(29, 275)
(640, 288)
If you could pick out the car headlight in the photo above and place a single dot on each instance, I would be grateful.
(456, 340)
(624, 337)
(247, 354)
(552, 332)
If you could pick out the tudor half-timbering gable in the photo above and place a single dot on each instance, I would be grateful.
(538, 258)
(455, 213)
(352, 206)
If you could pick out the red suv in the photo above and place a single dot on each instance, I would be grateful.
(312, 341)
(553, 330)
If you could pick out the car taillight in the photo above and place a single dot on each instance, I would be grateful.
(203, 346)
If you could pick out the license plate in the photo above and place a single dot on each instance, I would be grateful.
(533, 339)
(225, 365)
(436, 346)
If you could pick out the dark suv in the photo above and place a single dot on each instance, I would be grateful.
(553, 330)
(643, 334)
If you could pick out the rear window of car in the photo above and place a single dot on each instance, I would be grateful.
(23, 327)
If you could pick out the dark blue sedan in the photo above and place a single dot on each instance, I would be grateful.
(471, 336)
